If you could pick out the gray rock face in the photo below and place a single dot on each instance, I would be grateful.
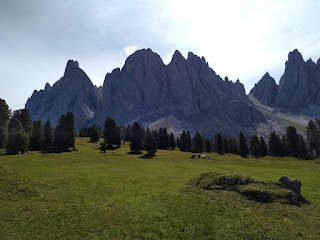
(265, 90)
(146, 90)
(298, 90)
(74, 92)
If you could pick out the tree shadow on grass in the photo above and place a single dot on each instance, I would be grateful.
(147, 156)
(135, 153)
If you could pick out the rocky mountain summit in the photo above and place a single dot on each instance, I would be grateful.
(298, 90)
(147, 90)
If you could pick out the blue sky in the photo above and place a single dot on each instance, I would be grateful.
(239, 39)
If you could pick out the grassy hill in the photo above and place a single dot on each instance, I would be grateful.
(87, 195)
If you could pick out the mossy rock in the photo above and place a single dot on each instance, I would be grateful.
(251, 189)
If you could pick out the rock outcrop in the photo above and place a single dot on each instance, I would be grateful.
(74, 92)
(147, 90)
(298, 90)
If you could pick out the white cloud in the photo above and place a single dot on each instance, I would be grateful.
(127, 51)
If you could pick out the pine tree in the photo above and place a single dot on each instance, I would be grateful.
(243, 147)
(255, 146)
(233, 145)
(18, 140)
(4, 121)
(47, 135)
(218, 143)
(197, 143)
(128, 133)
(303, 150)
(110, 132)
(274, 145)
(165, 138)
(188, 142)
(172, 141)
(36, 138)
(182, 142)
(313, 137)
(23, 115)
(292, 141)
(178, 142)
(207, 144)
(226, 148)
(65, 133)
(149, 143)
(264, 148)
(137, 134)
(94, 134)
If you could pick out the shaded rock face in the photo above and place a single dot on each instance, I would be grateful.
(74, 92)
(145, 90)
(265, 90)
(299, 87)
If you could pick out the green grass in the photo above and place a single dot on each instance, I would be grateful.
(87, 195)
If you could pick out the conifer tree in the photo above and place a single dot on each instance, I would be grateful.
(313, 137)
(94, 133)
(4, 121)
(65, 133)
(243, 147)
(172, 141)
(18, 140)
(233, 145)
(226, 147)
(264, 148)
(188, 142)
(47, 135)
(292, 141)
(110, 132)
(149, 143)
(197, 143)
(255, 146)
(303, 150)
(137, 134)
(182, 142)
(218, 143)
(207, 144)
(274, 145)
(36, 138)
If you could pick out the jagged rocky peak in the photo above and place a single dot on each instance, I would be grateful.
(265, 90)
(295, 56)
(47, 87)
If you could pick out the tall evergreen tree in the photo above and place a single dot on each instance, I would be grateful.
(218, 143)
(233, 146)
(243, 147)
(110, 132)
(149, 143)
(292, 141)
(128, 133)
(188, 142)
(23, 115)
(172, 141)
(137, 134)
(4, 121)
(197, 143)
(207, 146)
(94, 133)
(226, 148)
(182, 142)
(303, 150)
(264, 148)
(255, 146)
(47, 135)
(313, 137)
(274, 145)
(65, 133)
(18, 140)
(36, 138)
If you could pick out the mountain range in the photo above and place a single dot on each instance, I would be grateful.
(184, 94)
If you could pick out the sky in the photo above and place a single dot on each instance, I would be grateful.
(239, 39)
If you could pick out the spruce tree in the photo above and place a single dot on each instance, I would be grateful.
(274, 145)
(110, 132)
(137, 134)
(182, 142)
(47, 135)
(264, 148)
(292, 141)
(226, 147)
(94, 134)
(233, 145)
(18, 140)
(243, 147)
(188, 142)
(4, 121)
(149, 143)
(218, 143)
(23, 115)
(255, 146)
(172, 141)
(207, 144)
(36, 138)
(65, 133)
(303, 150)
(197, 143)
(313, 137)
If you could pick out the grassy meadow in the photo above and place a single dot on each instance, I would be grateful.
(88, 195)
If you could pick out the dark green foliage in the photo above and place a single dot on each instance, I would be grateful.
(36, 138)
(274, 144)
(292, 141)
(172, 141)
(47, 135)
(182, 142)
(218, 143)
(243, 147)
(233, 145)
(4, 121)
(313, 137)
(65, 133)
(188, 142)
(226, 147)
(118, 137)
(110, 132)
(18, 140)
(264, 148)
(149, 143)
(137, 134)
(303, 150)
(207, 145)
(197, 143)
(127, 134)
(163, 142)
(94, 134)
(255, 146)
(178, 142)
(23, 115)
(283, 146)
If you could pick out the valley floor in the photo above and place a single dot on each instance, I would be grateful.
(88, 195)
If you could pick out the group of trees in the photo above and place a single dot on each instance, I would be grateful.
(93, 132)
(18, 134)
